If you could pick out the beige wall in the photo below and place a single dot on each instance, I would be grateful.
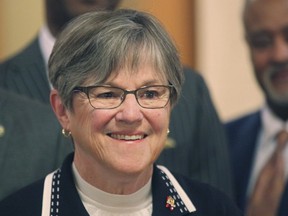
(178, 19)
(221, 52)
(19, 23)
(223, 58)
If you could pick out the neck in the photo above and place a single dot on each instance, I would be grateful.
(55, 30)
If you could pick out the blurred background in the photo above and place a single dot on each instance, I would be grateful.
(209, 35)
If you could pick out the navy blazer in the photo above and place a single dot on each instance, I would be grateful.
(242, 136)
(63, 198)
(198, 144)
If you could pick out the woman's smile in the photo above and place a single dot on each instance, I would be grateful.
(127, 137)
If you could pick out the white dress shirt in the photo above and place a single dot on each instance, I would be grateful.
(265, 145)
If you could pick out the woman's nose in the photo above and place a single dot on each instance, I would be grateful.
(129, 111)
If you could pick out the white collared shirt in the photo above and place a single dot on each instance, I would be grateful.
(46, 43)
(265, 145)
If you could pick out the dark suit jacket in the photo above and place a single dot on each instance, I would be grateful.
(201, 150)
(206, 200)
(31, 144)
(25, 74)
(242, 136)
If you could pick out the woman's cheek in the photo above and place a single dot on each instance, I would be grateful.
(160, 120)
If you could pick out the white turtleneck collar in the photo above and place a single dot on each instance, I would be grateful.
(98, 202)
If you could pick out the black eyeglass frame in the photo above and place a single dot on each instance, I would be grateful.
(86, 89)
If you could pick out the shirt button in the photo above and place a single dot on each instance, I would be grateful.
(2, 130)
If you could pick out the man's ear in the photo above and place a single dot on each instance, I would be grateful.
(59, 109)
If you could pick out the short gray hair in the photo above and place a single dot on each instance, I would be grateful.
(96, 44)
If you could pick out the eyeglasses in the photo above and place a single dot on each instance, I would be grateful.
(107, 97)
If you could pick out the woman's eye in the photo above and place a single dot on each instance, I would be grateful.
(107, 95)
(150, 94)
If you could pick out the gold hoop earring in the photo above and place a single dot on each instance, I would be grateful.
(66, 133)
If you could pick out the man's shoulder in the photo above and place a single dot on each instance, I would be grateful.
(192, 75)
(242, 132)
(33, 114)
(244, 120)
(14, 103)
(194, 86)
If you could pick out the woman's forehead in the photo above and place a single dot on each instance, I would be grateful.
(142, 71)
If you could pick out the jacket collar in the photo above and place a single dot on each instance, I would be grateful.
(169, 198)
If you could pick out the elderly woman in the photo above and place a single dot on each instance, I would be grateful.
(116, 77)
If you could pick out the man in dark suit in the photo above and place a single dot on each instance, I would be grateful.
(31, 143)
(196, 146)
(258, 162)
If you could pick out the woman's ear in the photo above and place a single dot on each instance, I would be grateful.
(59, 109)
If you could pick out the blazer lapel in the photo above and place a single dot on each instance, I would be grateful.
(242, 153)
(168, 196)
